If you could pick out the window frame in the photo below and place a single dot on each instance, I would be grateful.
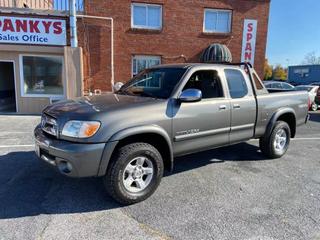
(216, 10)
(147, 6)
(50, 96)
(144, 57)
(191, 73)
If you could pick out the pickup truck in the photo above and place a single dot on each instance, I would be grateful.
(129, 137)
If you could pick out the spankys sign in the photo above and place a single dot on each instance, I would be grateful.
(249, 40)
(35, 31)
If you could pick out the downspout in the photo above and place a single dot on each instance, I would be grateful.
(112, 42)
(73, 24)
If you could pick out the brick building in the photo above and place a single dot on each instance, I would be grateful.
(180, 31)
(145, 33)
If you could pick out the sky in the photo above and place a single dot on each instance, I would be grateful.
(294, 31)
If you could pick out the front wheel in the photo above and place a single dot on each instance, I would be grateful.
(134, 173)
(314, 107)
(277, 144)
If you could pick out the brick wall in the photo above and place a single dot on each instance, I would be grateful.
(181, 35)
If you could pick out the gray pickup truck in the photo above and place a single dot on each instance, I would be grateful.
(131, 136)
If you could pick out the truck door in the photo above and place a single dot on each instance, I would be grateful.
(243, 105)
(203, 124)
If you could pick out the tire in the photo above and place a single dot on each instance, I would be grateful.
(126, 167)
(314, 107)
(274, 146)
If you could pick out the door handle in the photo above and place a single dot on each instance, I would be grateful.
(222, 107)
(236, 106)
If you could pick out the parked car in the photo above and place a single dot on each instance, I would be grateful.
(312, 90)
(131, 136)
(278, 86)
(315, 84)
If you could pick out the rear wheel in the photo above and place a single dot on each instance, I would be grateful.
(134, 173)
(277, 144)
(314, 107)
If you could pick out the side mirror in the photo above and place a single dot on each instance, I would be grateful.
(191, 95)
(117, 86)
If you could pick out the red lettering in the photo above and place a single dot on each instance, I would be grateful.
(34, 26)
(57, 27)
(249, 37)
(7, 25)
(47, 26)
(250, 27)
(21, 25)
(247, 56)
(248, 47)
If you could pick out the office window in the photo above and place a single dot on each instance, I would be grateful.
(302, 72)
(140, 63)
(236, 82)
(147, 16)
(217, 21)
(42, 76)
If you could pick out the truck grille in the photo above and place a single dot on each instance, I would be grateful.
(49, 125)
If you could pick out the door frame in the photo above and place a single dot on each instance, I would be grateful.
(14, 80)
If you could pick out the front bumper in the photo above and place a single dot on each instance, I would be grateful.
(71, 159)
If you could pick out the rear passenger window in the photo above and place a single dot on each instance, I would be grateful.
(236, 82)
(277, 85)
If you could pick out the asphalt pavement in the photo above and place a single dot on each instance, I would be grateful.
(228, 193)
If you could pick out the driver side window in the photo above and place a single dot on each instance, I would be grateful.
(208, 82)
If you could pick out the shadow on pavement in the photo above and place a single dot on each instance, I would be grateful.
(29, 187)
(241, 152)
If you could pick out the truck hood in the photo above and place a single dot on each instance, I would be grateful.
(93, 105)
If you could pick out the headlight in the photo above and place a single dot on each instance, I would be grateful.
(80, 129)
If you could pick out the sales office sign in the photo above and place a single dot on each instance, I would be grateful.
(35, 31)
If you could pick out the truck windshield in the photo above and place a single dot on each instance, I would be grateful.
(157, 83)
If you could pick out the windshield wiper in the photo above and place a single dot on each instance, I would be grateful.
(140, 81)
(122, 91)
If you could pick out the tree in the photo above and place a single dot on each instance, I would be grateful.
(280, 73)
(311, 59)
(267, 70)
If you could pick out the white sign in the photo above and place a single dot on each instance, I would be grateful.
(36, 31)
(249, 40)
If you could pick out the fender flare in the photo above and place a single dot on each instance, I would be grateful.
(275, 117)
(122, 134)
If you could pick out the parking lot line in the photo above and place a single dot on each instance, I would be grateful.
(14, 146)
(297, 139)
(16, 132)
(293, 139)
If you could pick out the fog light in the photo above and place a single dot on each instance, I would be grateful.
(64, 167)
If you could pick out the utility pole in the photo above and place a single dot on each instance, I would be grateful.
(73, 23)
